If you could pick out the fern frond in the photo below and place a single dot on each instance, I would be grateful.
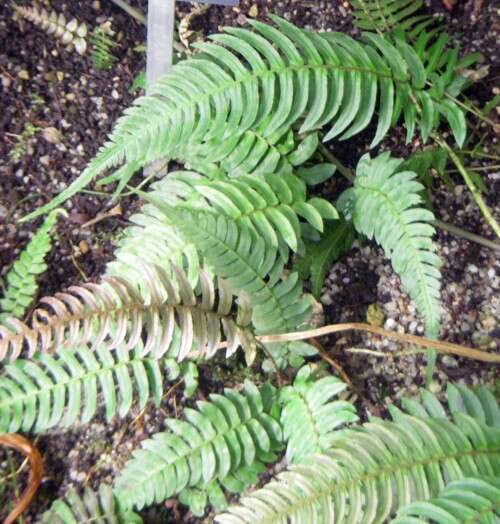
(391, 16)
(319, 256)
(465, 501)
(114, 314)
(22, 278)
(154, 240)
(58, 390)
(102, 44)
(267, 80)
(372, 470)
(101, 507)
(383, 205)
(222, 434)
(70, 33)
(478, 403)
(270, 206)
(309, 415)
(252, 267)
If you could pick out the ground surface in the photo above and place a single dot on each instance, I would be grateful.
(73, 107)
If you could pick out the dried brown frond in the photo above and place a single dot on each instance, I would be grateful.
(167, 316)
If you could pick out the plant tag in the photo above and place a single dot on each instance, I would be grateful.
(215, 2)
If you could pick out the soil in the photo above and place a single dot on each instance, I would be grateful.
(73, 106)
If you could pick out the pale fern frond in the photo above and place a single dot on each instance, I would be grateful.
(465, 501)
(115, 314)
(384, 205)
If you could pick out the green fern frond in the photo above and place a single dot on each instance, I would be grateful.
(372, 469)
(91, 507)
(58, 390)
(114, 314)
(465, 501)
(478, 403)
(267, 80)
(102, 44)
(220, 436)
(383, 205)
(310, 416)
(22, 284)
(319, 256)
(254, 268)
(391, 16)
(270, 206)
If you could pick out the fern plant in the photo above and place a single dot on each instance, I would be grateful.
(21, 280)
(268, 80)
(221, 438)
(217, 257)
(464, 501)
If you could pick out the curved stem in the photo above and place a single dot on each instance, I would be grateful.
(441, 346)
(25, 447)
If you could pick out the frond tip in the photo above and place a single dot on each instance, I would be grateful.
(384, 205)
(115, 313)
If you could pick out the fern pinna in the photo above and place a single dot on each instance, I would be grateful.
(21, 280)
(270, 79)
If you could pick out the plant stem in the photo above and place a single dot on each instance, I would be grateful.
(132, 11)
(485, 210)
(451, 228)
(472, 237)
(343, 170)
(22, 445)
(442, 347)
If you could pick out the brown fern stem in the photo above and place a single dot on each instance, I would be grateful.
(441, 346)
(25, 447)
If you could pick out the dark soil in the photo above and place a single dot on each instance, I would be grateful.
(45, 85)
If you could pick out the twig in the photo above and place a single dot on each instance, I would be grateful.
(23, 445)
(442, 347)
(485, 210)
